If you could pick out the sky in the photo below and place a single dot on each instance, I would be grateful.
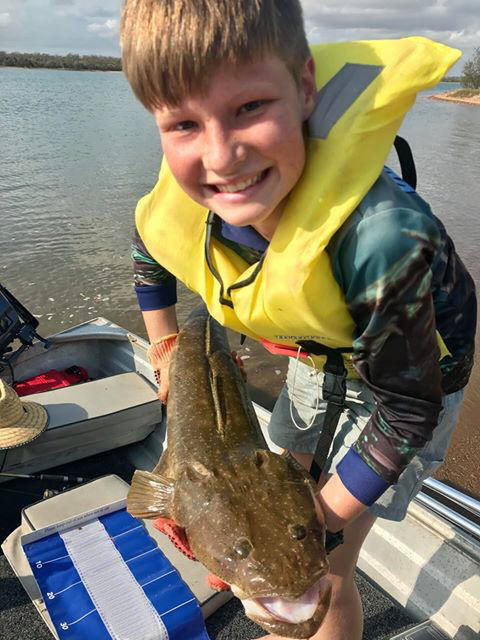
(91, 26)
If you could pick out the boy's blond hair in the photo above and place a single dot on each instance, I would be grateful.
(171, 47)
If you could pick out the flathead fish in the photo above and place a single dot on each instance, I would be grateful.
(249, 514)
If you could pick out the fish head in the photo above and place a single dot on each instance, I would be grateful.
(257, 526)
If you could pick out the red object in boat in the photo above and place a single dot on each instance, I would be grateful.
(52, 379)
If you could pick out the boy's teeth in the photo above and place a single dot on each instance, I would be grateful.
(238, 186)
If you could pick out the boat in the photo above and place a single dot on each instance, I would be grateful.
(432, 586)
(118, 399)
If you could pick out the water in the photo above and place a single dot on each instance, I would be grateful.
(78, 151)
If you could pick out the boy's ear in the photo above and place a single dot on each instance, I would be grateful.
(308, 87)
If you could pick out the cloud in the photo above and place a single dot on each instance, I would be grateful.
(408, 16)
(465, 37)
(387, 19)
(106, 29)
(86, 9)
(5, 19)
(452, 22)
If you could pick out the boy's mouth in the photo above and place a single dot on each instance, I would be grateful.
(240, 185)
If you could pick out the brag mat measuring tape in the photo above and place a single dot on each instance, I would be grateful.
(107, 579)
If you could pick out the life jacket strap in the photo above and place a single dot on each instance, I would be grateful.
(334, 389)
(208, 236)
(407, 163)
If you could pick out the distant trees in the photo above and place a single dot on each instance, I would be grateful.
(471, 71)
(70, 61)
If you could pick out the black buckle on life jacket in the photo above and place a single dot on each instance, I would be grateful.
(334, 386)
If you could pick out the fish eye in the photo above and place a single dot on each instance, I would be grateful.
(297, 531)
(243, 547)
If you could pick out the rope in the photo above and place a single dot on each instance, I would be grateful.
(315, 371)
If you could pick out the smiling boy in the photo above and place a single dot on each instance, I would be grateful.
(273, 205)
(236, 154)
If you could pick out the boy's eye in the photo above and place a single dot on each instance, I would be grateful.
(184, 125)
(252, 106)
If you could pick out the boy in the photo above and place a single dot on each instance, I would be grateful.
(296, 236)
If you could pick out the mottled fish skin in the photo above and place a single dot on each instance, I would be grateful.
(249, 514)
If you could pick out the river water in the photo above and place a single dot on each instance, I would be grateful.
(77, 151)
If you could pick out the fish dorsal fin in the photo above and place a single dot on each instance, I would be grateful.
(150, 495)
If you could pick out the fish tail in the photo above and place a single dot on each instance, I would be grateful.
(150, 495)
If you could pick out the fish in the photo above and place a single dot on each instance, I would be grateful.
(250, 515)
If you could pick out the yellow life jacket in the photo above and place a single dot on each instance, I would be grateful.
(365, 90)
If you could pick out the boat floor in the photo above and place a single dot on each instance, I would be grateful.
(19, 618)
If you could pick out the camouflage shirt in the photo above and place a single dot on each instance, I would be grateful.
(402, 280)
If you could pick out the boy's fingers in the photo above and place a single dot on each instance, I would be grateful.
(239, 362)
(163, 387)
(162, 395)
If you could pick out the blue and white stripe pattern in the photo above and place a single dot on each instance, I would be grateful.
(108, 580)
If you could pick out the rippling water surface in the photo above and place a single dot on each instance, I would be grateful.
(78, 151)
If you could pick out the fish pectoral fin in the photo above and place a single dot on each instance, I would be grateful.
(150, 495)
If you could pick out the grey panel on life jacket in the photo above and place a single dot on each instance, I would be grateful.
(340, 92)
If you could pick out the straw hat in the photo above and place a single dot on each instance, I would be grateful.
(20, 422)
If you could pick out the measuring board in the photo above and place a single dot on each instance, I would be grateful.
(105, 578)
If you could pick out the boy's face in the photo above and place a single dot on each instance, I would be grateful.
(238, 149)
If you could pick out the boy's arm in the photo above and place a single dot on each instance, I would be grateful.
(157, 295)
(160, 322)
(386, 276)
(156, 288)
(339, 506)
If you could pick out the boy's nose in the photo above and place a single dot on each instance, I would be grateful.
(222, 151)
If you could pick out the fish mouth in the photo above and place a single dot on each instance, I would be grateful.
(292, 617)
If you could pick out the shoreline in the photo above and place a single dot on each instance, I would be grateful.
(448, 97)
(6, 66)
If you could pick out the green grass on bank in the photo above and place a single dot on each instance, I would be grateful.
(464, 93)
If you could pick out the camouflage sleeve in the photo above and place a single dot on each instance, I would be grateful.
(156, 288)
(385, 267)
(146, 270)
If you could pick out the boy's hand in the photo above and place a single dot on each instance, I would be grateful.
(159, 354)
(338, 506)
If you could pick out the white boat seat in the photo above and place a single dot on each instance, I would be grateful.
(95, 398)
(89, 418)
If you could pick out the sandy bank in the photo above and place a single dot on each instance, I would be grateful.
(449, 97)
